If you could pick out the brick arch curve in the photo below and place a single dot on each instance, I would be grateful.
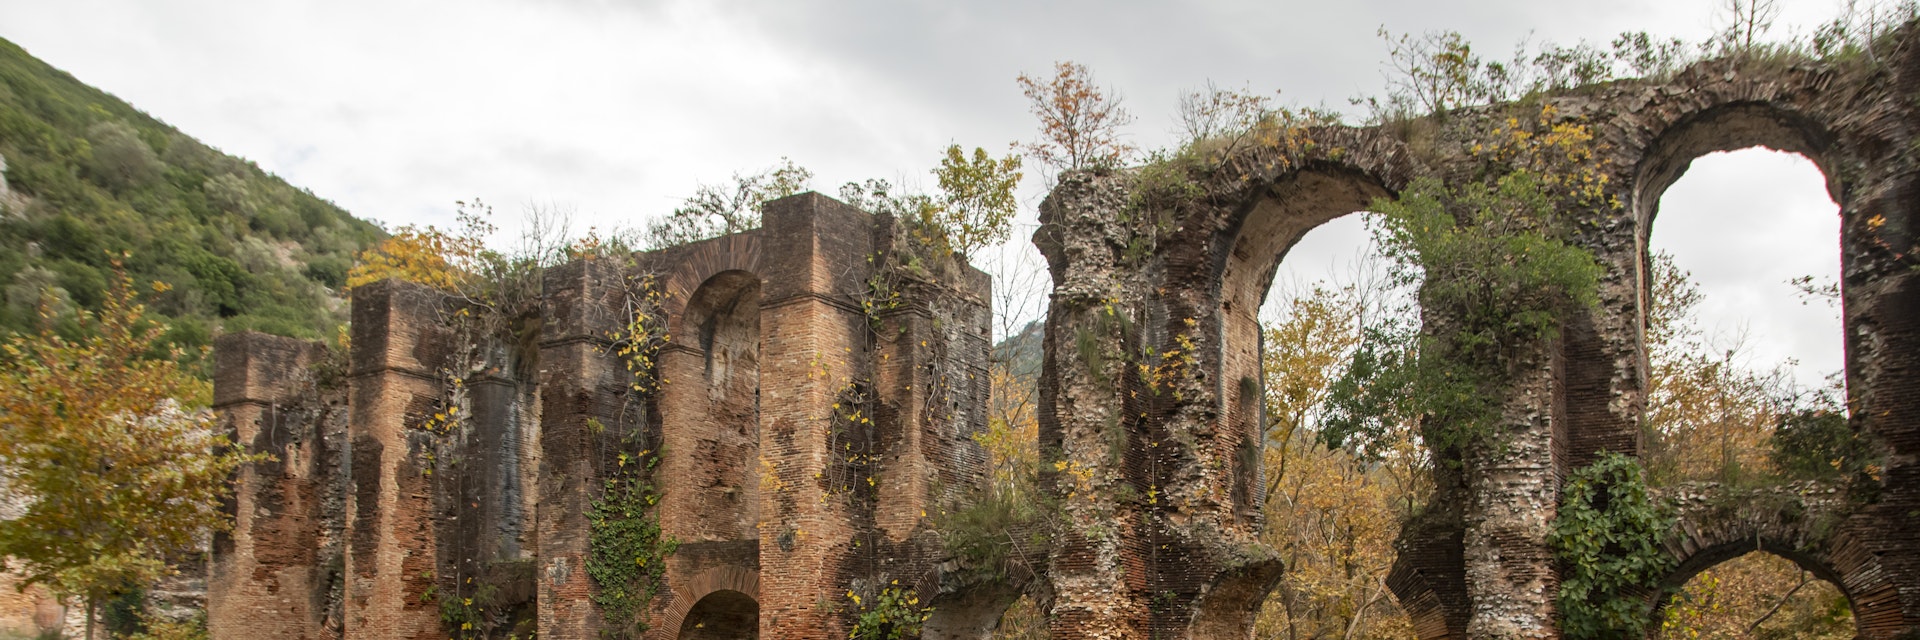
(1228, 605)
(682, 595)
(1810, 524)
(690, 266)
(968, 612)
(1282, 199)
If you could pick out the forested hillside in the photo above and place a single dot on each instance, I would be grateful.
(89, 179)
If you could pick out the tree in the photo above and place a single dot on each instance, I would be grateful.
(1710, 416)
(977, 201)
(1332, 512)
(120, 158)
(108, 445)
(973, 210)
(429, 256)
(1747, 21)
(717, 210)
(1079, 122)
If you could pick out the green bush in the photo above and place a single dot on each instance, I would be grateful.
(1606, 539)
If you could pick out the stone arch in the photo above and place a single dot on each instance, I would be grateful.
(1243, 256)
(1781, 112)
(969, 613)
(731, 583)
(722, 615)
(1227, 606)
(689, 266)
(722, 323)
(1261, 234)
(1810, 524)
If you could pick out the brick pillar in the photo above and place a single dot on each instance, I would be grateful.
(264, 573)
(394, 382)
(813, 343)
(931, 378)
(1880, 219)
(1512, 495)
(580, 380)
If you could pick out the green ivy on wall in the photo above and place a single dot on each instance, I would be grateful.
(1606, 539)
(626, 550)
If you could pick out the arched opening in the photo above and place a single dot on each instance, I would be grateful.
(1740, 278)
(979, 614)
(1718, 602)
(722, 615)
(711, 411)
(1272, 227)
(1301, 282)
(1744, 345)
(1332, 511)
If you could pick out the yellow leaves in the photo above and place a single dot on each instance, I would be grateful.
(429, 256)
(1876, 222)
(113, 448)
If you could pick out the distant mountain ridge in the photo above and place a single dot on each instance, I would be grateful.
(87, 177)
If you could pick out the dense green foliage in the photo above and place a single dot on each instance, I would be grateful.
(1607, 541)
(1816, 444)
(892, 614)
(1488, 260)
(94, 178)
(626, 550)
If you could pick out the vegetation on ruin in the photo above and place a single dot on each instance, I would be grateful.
(1458, 245)
(1606, 539)
(96, 178)
(716, 210)
(626, 550)
(892, 613)
(1080, 121)
(106, 440)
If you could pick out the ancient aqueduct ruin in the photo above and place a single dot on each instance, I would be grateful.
(784, 501)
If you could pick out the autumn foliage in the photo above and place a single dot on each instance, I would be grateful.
(108, 451)
(1079, 121)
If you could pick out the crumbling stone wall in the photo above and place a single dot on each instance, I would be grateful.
(1158, 541)
(435, 455)
(867, 381)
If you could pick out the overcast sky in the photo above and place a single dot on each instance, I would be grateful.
(617, 110)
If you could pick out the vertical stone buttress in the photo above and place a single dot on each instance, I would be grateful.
(1097, 594)
(1881, 281)
(581, 382)
(395, 384)
(269, 571)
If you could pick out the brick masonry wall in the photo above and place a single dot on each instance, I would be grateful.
(279, 565)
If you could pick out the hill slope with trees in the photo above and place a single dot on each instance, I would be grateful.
(90, 179)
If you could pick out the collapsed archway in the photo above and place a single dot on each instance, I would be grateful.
(977, 613)
(1288, 334)
(722, 615)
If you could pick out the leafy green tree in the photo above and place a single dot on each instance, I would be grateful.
(120, 158)
(106, 442)
(716, 210)
(976, 197)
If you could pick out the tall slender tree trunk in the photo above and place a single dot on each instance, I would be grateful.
(89, 617)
